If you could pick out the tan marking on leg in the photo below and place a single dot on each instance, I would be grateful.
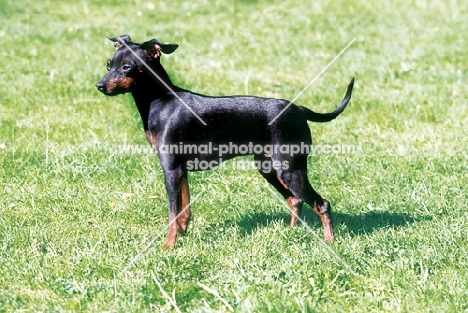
(185, 216)
(173, 231)
(324, 212)
(296, 208)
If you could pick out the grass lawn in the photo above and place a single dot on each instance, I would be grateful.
(82, 221)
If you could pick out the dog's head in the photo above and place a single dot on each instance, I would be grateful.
(129, 62)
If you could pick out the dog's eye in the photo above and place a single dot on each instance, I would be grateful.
(126, 67)
(108, 65)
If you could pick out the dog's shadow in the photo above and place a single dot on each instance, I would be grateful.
(354, 224)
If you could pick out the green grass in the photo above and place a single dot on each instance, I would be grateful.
(68, 228)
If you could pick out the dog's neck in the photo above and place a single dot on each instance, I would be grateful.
(149, 86)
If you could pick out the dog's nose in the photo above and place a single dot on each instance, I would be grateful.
(101, 87)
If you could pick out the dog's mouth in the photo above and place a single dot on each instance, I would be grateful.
(109, 92)
(115, 87)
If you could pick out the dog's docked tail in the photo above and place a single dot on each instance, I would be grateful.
(327, 117)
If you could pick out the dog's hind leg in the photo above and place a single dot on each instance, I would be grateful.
(322, 207)
(295, 180)
(265, 167)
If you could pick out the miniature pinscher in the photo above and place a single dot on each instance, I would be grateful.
(192, 132)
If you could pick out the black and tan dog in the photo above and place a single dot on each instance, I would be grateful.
(270, 129)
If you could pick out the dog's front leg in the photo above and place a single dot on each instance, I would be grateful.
(184, 215)
(174, 179)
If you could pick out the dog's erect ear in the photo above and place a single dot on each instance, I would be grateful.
(118, 40)
(154, 47)
(168, 48)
